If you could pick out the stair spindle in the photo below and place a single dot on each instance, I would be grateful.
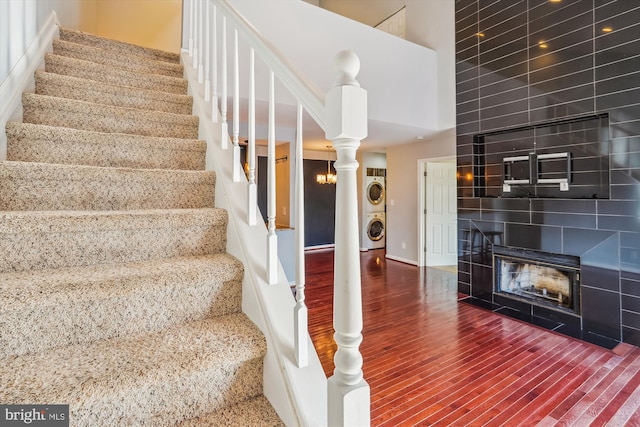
(300, 314)
(272, 238)
(236, 168)
(196, 45)
(200, 42)
(214, 67)
(207, 52)
(251, 148)
(223, 102)
(191, 14)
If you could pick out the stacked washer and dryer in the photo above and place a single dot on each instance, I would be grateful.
(374, 208)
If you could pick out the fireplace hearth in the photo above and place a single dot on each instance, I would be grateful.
(539, 278)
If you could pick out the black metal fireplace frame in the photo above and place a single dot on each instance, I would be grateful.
(561, 261)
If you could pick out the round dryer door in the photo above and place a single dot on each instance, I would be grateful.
(375, 192)
(375, 229)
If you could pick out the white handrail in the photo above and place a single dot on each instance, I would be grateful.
(311, 98)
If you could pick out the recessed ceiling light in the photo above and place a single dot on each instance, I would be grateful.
(607, 29)
(543, 44)
(480, 34)
(555, 1)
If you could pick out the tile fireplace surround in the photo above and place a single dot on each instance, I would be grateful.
(506, 80)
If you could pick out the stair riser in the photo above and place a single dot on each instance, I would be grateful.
(175, 399)
(102, 73)
(35, 243)
(44, 144)
(83, 90)
(49, 189)
(147, 308)
(118, 60)
(117, 46)
(53, 111)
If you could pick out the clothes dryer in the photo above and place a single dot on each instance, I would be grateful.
(375, 192)
(375, 229)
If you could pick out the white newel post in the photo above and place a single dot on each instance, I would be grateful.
(196, 46)
(346, 112)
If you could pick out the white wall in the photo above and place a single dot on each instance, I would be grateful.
(20, 21)
(430, 23)
(402, 191)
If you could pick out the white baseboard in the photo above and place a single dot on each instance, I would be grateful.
(21, 78)
(403, 260)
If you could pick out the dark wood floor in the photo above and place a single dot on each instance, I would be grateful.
(431, 360)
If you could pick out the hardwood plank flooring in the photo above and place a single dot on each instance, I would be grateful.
(431, 360)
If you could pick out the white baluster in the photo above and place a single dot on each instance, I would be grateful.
(300, 314)
(346, 109)
(251, 148)
(272, 238)
(196, 45)
(214, 68)
(200, 42)
(192, 12)
(237, 166)
(207, 52)
(223, 100)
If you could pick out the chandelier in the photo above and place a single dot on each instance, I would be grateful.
(327, 178)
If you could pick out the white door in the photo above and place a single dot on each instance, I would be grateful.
(441, 214)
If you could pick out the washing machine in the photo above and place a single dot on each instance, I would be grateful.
(375, 230)
(375, 193)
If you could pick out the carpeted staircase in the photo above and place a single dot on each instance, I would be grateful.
(116, 294)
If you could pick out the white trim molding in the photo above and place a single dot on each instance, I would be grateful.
(21, 79)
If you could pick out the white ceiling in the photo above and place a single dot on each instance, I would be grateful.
(401, 77)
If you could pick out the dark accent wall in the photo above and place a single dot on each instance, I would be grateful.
(530, 62)
(319, 202)
(319, 205)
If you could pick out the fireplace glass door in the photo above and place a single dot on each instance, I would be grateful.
(540, 278)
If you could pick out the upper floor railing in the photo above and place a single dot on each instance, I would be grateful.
(215, 30)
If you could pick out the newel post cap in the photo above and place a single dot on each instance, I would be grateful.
(346, 103)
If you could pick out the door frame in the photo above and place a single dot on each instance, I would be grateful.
(422, 204)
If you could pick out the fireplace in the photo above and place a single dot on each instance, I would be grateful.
(539, 278)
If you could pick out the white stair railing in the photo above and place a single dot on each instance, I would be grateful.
(342, 114)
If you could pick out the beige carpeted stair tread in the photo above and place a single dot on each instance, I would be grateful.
(154, 380)
(52, 84)
(53, 111)
(29, 186)
(76, 36)
(55, 239)
(132, 63)
(29, 142)
(255, 412)
(43, 309)
(103, 73)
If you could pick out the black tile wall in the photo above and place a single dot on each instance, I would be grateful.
(521, 64)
